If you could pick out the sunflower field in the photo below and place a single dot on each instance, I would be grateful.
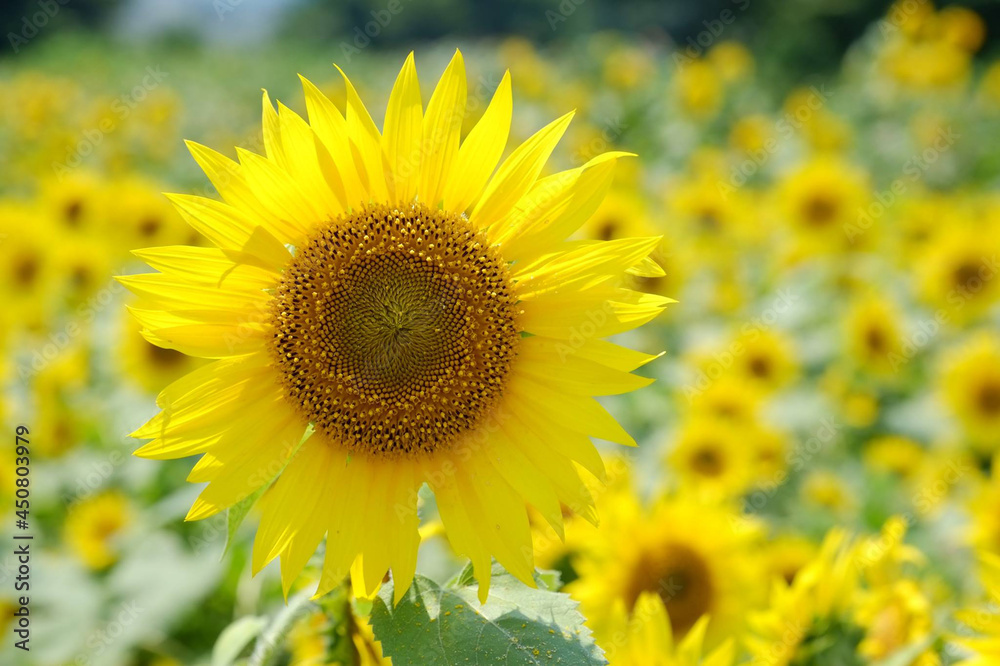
(578, 332)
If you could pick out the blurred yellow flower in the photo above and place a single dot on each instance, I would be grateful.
(971, 385)
(894, 454)
(644, 637)
(810, 615)
(820, 200)
(711, 458)
(94, 525)
(697, 86)
(698, 558)
(874, 336)
(732, 60)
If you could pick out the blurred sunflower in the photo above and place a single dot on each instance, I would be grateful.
(697, 557)
(426, 329)
(873, 335)
(93, 526)
(821, 200)
(894, 454)
(644, 637)
(787, 555)
(808, 620)
(984, 621)
(711, 457)
(766, 359)
(957, 274)
(151, 366)
(971, 387)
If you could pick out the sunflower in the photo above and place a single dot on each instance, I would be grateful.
(765, 358)
(429, 325)
(150, 365)
(94, 525)
(821, 200)
(958, 273)
(984, 621)
(984, 528)
(787, 555)
(809, 618)
(698, 88)
(971, 384)
(28, 270)
(645, 638)
(895, 454)
(874, 336)
(76, 202)
(697, 557)
(728, 398)
(711, 457)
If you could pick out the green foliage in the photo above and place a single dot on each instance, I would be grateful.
(436, 624)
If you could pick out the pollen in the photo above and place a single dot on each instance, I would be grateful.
(395, 329)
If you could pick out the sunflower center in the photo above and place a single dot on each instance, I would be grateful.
(707, 461)
(989, 398)
(395, 329)
(966, 276)
(683, 580)
(876, 341)
(820, 209)
(760, 367)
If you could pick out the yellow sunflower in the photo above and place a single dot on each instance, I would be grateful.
(894, 454)
(94, 525)
(983, 621)
(874, 337)
(765, 358)
(645, 638)
(385, 310)
(711, 457)
(149, 365)
(699, 558)
(810, 615)
(958, 273)
(821, 200)
(971, 384)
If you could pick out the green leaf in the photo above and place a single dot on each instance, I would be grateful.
(235, 638)
(517, 626)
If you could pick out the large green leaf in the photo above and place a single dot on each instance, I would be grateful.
(517, 626)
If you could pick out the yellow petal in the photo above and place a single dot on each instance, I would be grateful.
(366, 144)
(518, 173)
(402, 134)
(479, 153)
(331, 127)
(442, 131)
